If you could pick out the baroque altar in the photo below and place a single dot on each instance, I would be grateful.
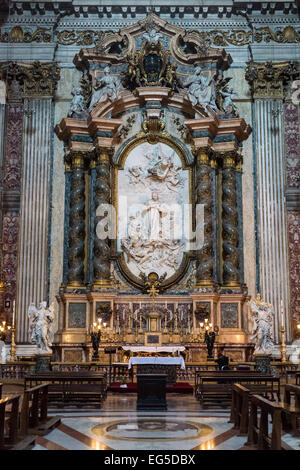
(153, 171)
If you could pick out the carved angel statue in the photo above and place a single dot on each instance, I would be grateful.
(106, 88)
(262, 314)
(201, 89)
(228, 105)
(77, 104)
(41, 326)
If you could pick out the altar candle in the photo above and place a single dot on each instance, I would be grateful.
(281, 310)
(14, 308)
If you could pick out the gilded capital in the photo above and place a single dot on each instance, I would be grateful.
(103, 155)
(34, 80)
(268, 80)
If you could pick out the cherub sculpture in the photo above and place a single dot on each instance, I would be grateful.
(77, 105)
(41, 326)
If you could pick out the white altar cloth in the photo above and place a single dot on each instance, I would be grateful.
(154, 349)
(172, 361)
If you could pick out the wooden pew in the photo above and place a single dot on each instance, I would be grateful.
(218, 375)
(217, 387)
(291, 412)
(71, 388)
(34, 412)
(1, 385)
(241, 396)
(10, 438)
(258, 430)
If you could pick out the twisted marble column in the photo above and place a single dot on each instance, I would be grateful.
(230, 221)
(204, 265)
(102, 195)
(76, 251)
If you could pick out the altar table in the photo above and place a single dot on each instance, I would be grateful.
(158, 365)
(154, 349)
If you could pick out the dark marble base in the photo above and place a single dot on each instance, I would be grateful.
(263, 363)
(151, 392)
(43, 362)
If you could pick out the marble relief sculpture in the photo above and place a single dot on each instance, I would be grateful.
(106, 88)
(201, 89)
(41, 326)
(154, 189)
(262, 315)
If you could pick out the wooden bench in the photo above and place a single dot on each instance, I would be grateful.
(217, 387)
(34, 412)
(71, 388)
(258, 429)
(218, 374)
(10, 437)
(240, 404)
(291, 412)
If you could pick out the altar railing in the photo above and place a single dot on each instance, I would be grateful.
(18, 369)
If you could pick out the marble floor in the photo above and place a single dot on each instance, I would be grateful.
(118, 426)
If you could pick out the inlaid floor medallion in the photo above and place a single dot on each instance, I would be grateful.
(152, 429)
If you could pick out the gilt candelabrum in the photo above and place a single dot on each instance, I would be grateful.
(283, 345)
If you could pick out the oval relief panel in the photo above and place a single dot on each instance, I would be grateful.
(153, 210)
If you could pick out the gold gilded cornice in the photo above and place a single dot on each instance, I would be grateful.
(215, 37)
(268, 80)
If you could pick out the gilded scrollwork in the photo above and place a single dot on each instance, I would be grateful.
(206, 39)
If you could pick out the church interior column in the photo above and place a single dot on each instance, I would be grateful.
(267, 82)
(230, 234)
(77, 229)
(102, 195)
(204, 266)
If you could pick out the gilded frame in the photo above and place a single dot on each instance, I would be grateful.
(119, 165)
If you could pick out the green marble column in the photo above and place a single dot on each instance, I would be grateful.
(77, 232)
(230, 232)
(102, 195)
(203, 189)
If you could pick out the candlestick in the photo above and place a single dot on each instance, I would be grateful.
(14, 309)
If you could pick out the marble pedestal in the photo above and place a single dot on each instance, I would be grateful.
(263, 363)
(42, 362)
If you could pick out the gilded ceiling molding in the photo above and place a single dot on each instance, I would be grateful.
(268, 80)
(204, 39)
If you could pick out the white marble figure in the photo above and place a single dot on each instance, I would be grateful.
(228, 103)
(156, 210)
(41, 326)
(201, 89)
(152, 36)
(77, 103)
(262, 314)
(2, 352)
(106, 88)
